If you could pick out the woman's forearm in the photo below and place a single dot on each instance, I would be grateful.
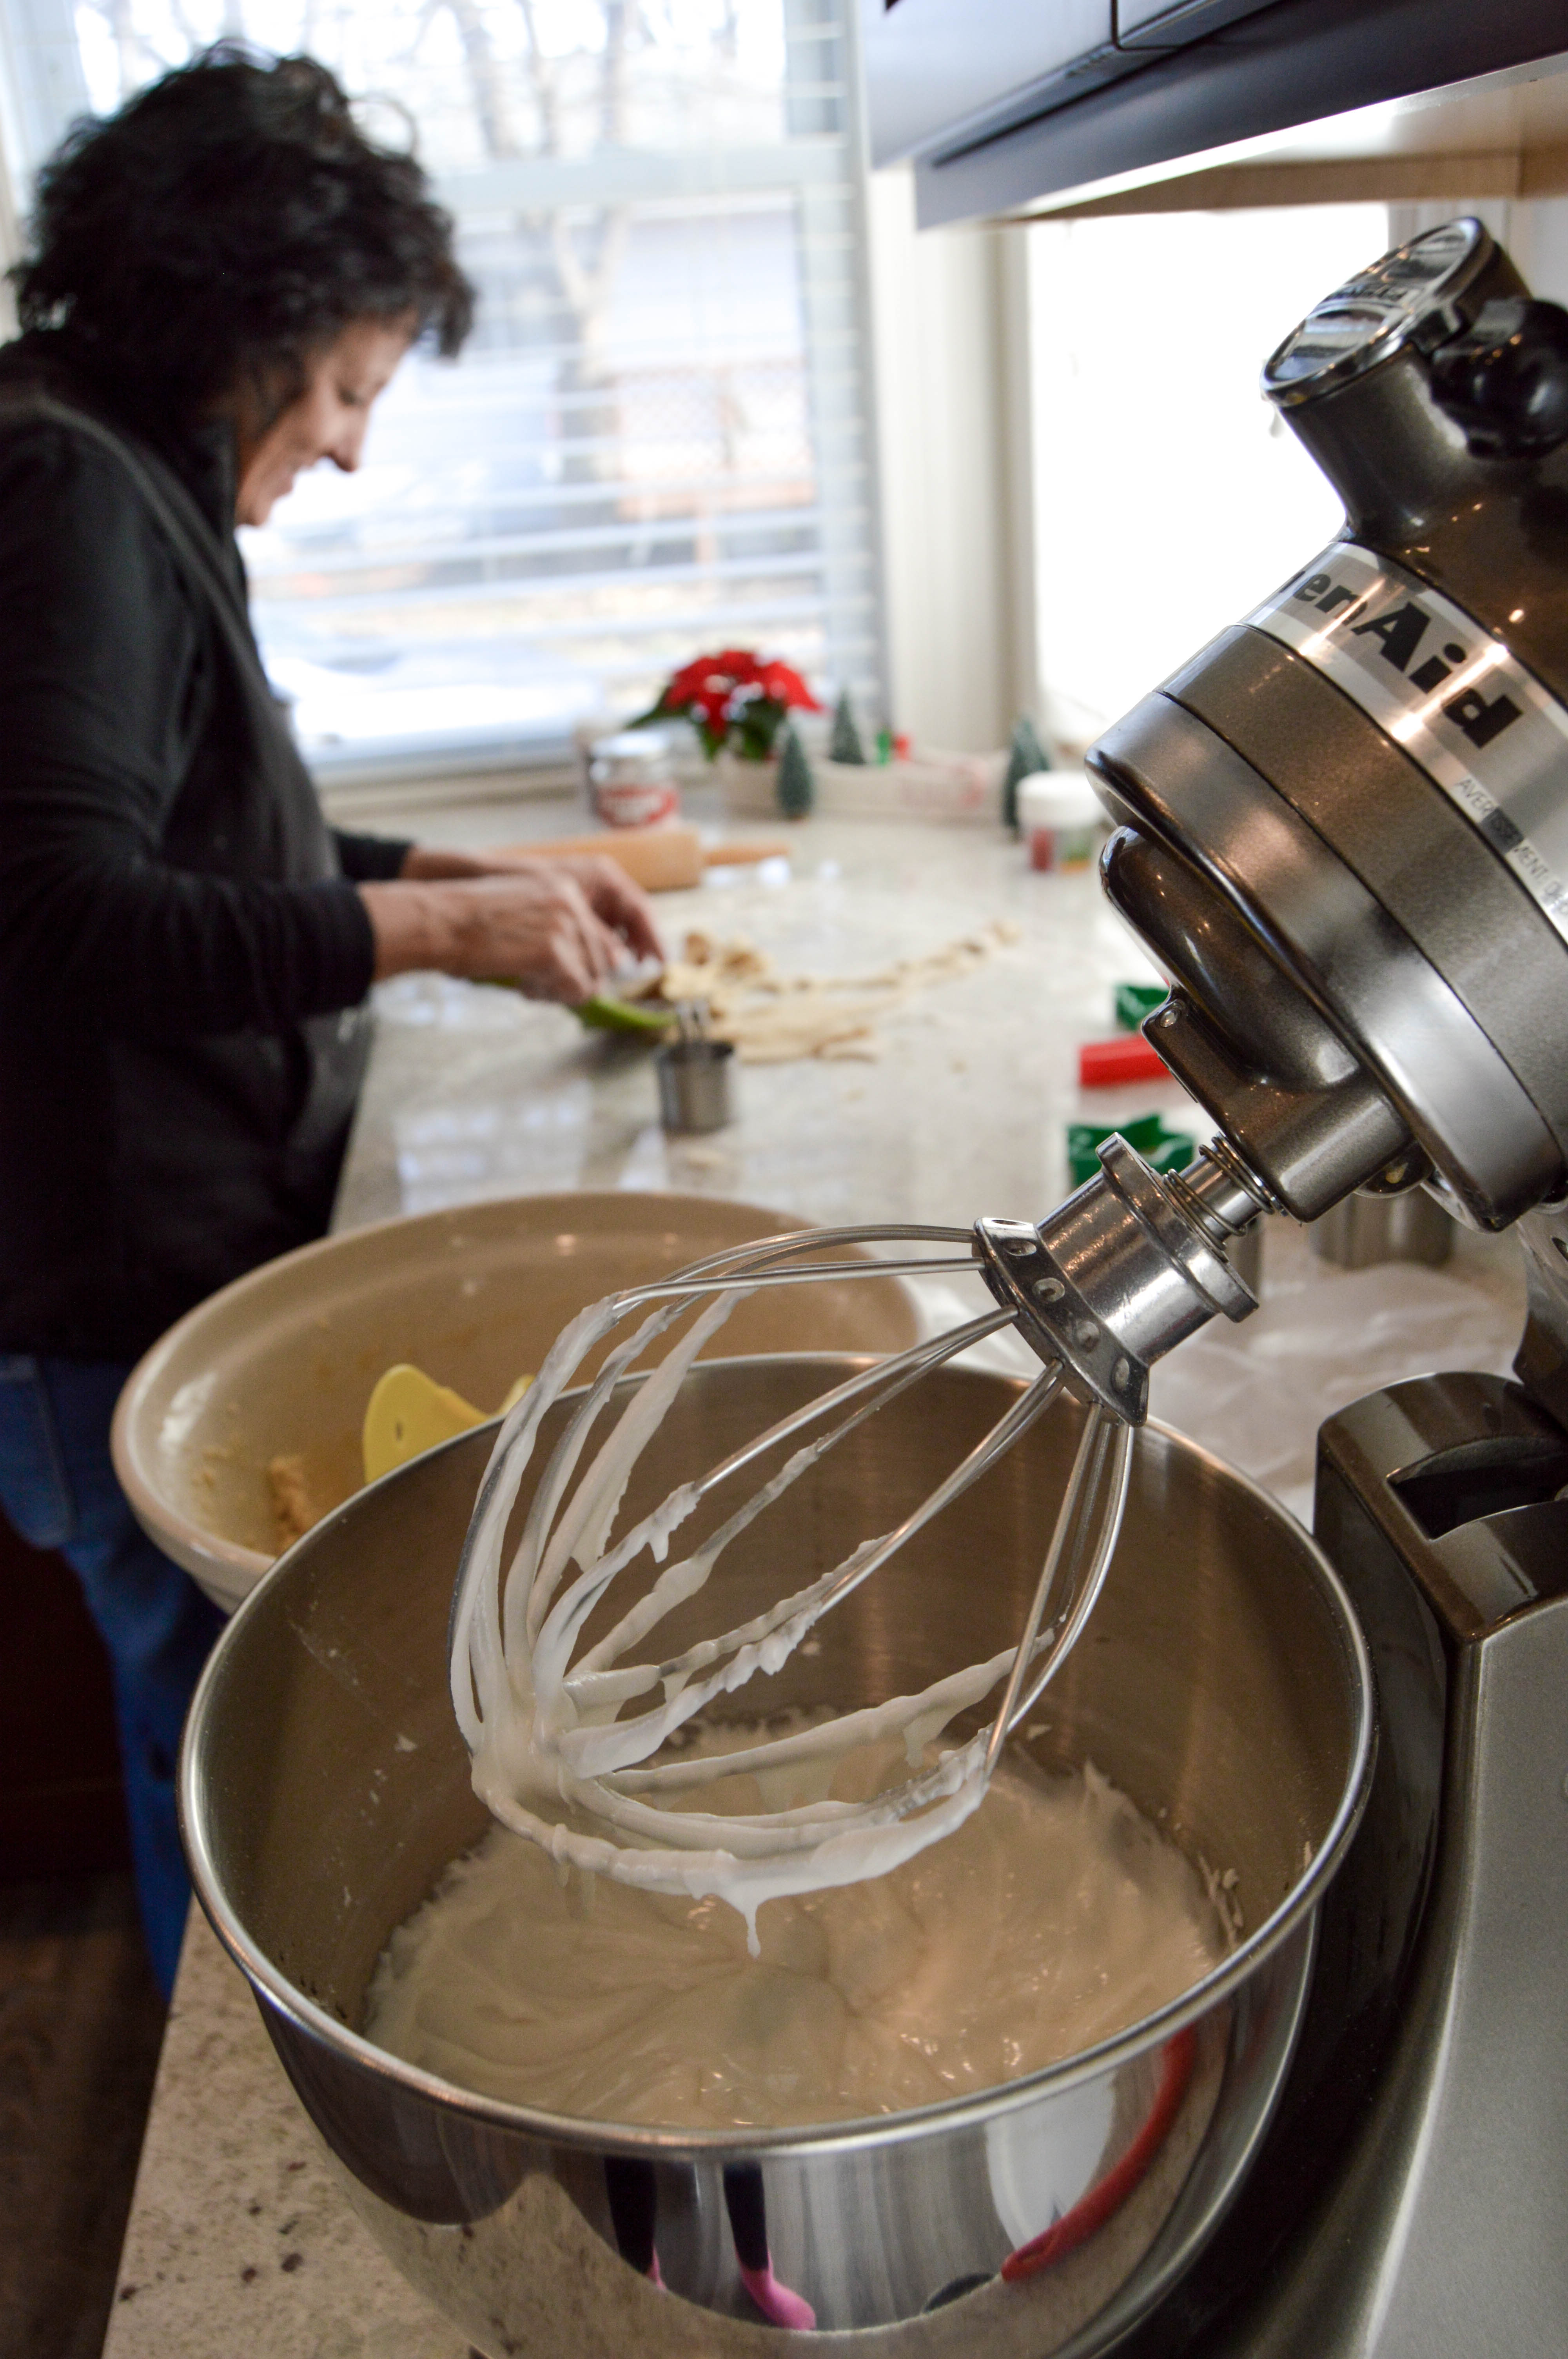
(417, 927)
(423, 863)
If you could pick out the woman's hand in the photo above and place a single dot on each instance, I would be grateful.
(559, 928)
(613, 898)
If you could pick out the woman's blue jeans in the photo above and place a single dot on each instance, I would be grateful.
(58, 1489)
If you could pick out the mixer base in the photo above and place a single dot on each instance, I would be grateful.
(1440, 2228)
(1447, 2233)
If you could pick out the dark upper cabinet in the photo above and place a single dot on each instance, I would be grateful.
(935, 66)
(1002, 101)
(1171, 24)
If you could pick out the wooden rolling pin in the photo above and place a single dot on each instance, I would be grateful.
(663, 859)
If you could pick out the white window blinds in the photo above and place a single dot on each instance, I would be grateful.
(658, 437)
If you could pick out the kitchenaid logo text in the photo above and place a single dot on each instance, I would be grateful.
(1449, 695)
(1399, 631)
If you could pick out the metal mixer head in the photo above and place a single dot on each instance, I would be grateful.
(1343, 823)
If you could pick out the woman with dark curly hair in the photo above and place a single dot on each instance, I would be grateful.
(225, 277)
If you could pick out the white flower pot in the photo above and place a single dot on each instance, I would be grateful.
(748, 790)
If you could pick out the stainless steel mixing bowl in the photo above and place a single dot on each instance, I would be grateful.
(1222, 1684)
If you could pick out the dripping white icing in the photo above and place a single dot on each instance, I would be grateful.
(1056, 1916)
(553, 1761)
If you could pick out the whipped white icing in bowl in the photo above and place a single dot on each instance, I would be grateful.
(1055, 1916)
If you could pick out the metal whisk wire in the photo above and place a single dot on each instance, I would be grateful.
(543, 1723)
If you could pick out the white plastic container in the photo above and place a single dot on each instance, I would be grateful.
(1060, 818)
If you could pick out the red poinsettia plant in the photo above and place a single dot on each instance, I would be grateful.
(732, 698)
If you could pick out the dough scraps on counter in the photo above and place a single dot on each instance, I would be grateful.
(775, 1019)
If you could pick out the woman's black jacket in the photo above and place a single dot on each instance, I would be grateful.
(183, 956)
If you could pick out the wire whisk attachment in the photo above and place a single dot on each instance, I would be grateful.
(571, 1737)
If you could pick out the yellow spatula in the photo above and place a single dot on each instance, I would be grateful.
(409, 1412)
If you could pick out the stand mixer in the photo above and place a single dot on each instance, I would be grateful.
(1343, 833)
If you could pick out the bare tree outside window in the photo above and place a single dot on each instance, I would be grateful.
(659, 430)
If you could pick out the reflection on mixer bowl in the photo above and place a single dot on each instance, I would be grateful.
(1222, 1684)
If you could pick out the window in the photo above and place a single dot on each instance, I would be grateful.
(658, 434)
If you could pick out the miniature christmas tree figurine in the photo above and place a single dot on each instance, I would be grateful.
(845, 746)
(1026, 755)
(796, 788)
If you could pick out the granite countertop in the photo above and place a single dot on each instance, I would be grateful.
(475, 1092)
(238, 2238)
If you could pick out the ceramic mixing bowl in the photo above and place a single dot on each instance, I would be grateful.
(281, 1364)
(1222, 1683)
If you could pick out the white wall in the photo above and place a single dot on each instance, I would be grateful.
(1543, 258)
(1079, 481)
(1170, 497)
(1534, 230)
(950, 324)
